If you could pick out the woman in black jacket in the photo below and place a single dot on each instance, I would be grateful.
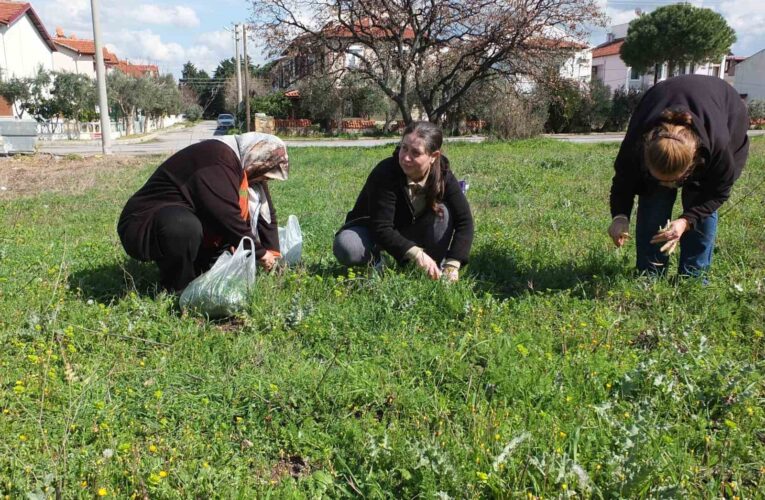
(203, 200)
(689, 133)
(412, 207)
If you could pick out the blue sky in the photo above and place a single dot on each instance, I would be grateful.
(169, 32)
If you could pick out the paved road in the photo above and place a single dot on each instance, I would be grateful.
(171, 141)
(616, 137)
(163, 143)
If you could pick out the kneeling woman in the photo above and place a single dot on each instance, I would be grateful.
(203, 200)
(689, 133)
(412, 207)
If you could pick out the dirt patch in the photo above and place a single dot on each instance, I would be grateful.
(26, 175)
(294, 466)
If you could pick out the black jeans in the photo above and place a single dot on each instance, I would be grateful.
(176, 247)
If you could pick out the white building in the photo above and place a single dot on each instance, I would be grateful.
(608, 66)
(79, 55)
(750, 77)
(25, 45)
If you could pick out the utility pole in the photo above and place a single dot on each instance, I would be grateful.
(103, 103)
(246, 78)
(238, 69)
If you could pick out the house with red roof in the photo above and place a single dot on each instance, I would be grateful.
(137, 70)
(25, 45)
(608, 66)
(76, 55)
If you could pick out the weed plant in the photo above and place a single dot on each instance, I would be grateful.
(549, 370)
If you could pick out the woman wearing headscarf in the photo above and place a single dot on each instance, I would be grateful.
(202, 200)
(688, 133)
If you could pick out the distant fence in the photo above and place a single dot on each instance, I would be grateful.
(292, 123)
(55, 130)
(353, 124)
(475, 126)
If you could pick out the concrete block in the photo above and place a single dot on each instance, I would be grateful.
(18, 136)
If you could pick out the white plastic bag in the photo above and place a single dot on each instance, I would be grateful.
(225, 289)
(291, 241)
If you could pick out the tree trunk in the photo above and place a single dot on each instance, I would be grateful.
(130, 122)
(406, 113)
(656, 73)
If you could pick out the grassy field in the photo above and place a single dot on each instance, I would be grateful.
(550, 370)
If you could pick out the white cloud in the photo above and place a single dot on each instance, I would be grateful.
(747, 17)
(146, 45)
(70, 15)
(220, 40)
(184, 17)
(620, 16)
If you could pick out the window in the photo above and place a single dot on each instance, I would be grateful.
(659, 71)
(353, 57)
(634, 74)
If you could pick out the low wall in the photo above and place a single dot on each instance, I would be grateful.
(18, 136)
(59, 130)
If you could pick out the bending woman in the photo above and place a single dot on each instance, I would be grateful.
(412, 207)
(689, 133)
(203, 200)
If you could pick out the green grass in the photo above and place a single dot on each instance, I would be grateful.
(549, 369)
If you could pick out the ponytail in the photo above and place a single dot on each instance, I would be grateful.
(671, 146)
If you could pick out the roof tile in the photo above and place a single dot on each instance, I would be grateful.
(608, 49)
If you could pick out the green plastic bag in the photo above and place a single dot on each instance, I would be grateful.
(226, 288)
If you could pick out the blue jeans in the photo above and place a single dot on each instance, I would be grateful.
(696, 244)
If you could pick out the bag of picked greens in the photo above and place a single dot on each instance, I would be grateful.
(291, 241)
(226, 288)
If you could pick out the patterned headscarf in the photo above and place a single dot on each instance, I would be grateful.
(259, 155)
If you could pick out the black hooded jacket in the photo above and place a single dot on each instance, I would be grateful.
(721, 121)
(385, 207)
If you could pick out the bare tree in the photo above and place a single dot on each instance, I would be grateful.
(427, 53)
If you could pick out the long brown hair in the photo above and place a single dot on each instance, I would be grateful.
(433, 137)
(672, 146)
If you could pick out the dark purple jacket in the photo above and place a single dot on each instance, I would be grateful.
(205, 178)
(721, 121)
(385, 207)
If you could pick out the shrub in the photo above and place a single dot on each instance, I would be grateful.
(517, 116)
(600, 104)
(757, 112)
(193, 112)
(570, 107)
(274, 104)
(623, 103)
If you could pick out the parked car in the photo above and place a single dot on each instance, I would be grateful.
(226, 121)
